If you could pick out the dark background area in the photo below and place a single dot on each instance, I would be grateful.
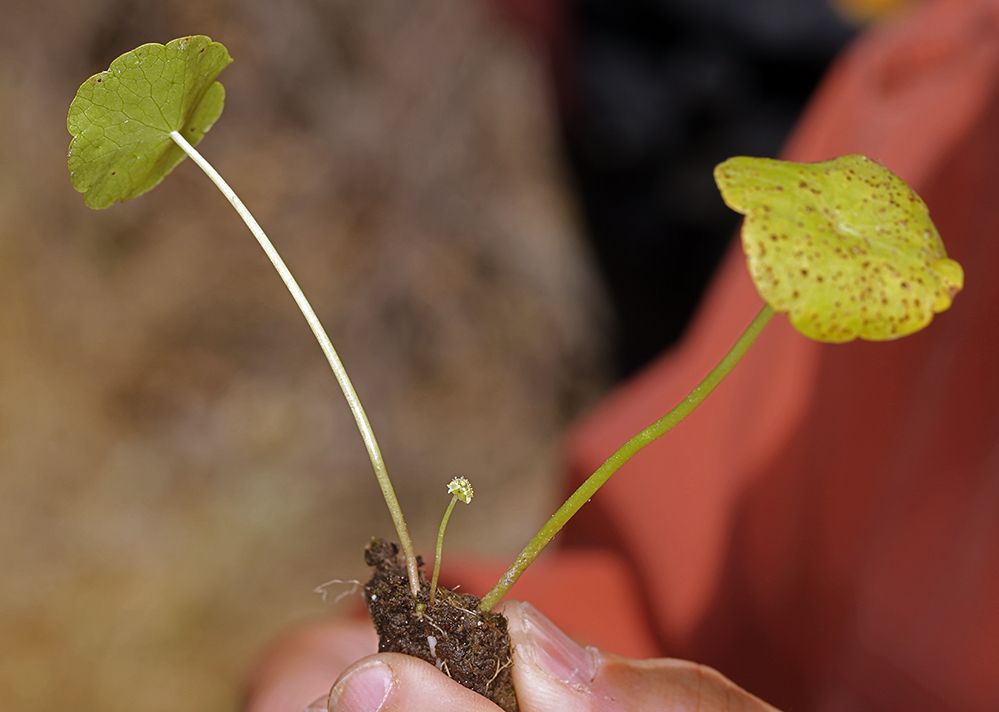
(659, 92)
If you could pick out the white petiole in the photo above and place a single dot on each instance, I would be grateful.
(360, 417)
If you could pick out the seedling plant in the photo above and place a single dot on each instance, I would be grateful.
(844, 247)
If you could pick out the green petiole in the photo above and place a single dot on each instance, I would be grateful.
(595, 481)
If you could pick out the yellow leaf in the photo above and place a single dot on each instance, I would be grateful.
(844, 247)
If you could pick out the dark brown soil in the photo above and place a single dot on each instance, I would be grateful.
(469, 646)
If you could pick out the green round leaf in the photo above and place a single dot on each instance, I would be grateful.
(121, 119)
(845, 247)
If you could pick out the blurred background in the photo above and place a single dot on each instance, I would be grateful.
(497, 209)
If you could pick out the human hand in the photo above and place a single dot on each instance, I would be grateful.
(550, 672)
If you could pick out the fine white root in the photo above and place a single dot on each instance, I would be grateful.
(323, 591)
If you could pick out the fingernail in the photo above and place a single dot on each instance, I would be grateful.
(363, 690)
(555, 652)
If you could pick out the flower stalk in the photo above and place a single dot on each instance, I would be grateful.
(459, 488)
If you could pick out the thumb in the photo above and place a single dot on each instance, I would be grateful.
(551, 672)
(391, 681)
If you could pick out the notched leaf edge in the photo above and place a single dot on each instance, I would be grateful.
(844, 247)
(138, 153)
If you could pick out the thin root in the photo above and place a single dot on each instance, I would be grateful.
(322, 589)
(499, 669)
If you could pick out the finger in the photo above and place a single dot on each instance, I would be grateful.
(304, 664)
(550, 672)
(391, 681)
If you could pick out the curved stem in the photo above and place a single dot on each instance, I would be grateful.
(440, 548)
(662, 426)
(360, 417)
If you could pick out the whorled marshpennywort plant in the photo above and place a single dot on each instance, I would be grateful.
(844, 247)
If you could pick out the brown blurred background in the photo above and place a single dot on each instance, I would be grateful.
(178, 469)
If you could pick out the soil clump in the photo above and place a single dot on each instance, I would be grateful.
(470, 646)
